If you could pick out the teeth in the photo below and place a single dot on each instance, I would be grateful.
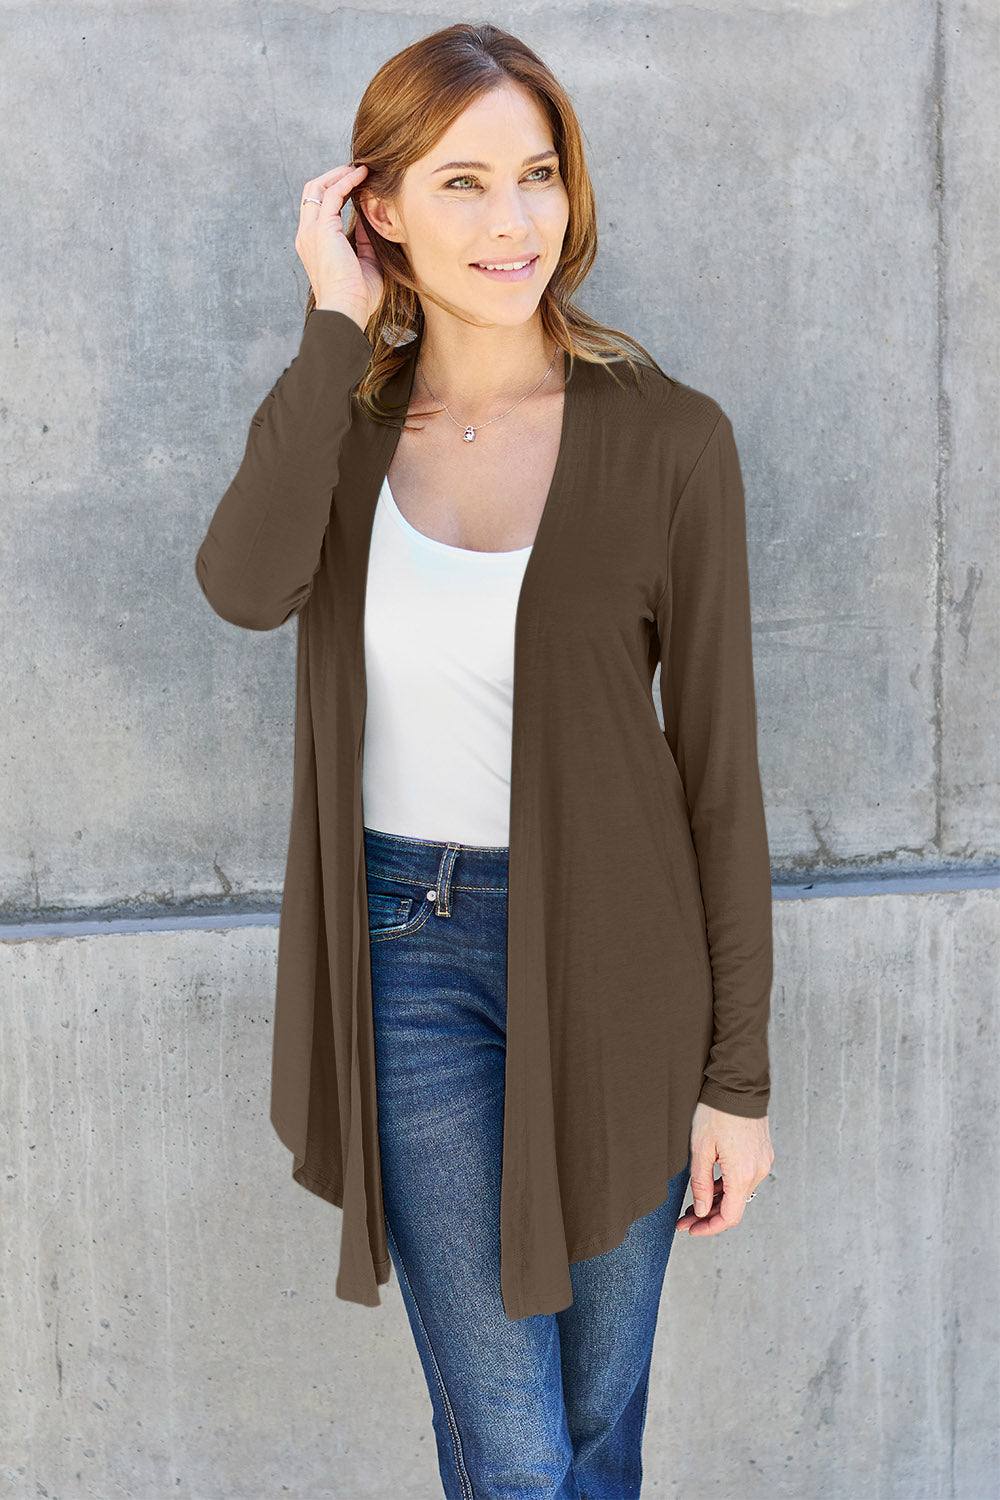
(515, 266)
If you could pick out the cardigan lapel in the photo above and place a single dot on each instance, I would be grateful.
(372, 457)
(530, 1178)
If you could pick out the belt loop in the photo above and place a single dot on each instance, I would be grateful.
(441, 907)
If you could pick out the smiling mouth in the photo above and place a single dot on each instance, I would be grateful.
(520, 265)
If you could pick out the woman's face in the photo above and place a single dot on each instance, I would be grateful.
(480, 195)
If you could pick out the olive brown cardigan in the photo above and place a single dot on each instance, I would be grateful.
(639, 942)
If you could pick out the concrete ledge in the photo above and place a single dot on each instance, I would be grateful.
(168, 1324)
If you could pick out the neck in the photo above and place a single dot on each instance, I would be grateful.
(476, 371)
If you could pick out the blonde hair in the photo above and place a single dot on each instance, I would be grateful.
(408, 105)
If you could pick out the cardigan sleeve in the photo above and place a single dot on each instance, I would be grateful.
(262, 549)
(710, 724)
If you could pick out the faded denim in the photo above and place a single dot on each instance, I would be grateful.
(550, 1407)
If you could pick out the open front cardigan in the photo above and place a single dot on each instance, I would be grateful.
(639, 941)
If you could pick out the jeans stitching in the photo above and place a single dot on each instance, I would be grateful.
(397, 907)
(380, 935)
(456, 885)
(442, 907)
(456, 1441)
(400, 838)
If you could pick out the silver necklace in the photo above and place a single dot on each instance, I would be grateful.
(469, 433)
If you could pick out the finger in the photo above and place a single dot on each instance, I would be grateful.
(348, 180)
(713, 1204)
(690, 1216)
(331, 190)
(338, 194)
(702, 1183)
(326, 179)
(728, 1209)
(734, 1202)
(710, 1224)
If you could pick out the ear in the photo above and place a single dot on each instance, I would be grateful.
(380, 215)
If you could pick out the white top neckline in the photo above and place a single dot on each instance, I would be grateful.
(444, 547)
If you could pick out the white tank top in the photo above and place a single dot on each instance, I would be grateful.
(439, 661)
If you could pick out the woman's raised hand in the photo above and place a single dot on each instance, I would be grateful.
(347, 282)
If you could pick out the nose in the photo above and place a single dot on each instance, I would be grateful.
(508, 213)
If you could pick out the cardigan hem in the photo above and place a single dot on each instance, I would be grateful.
(331, 1192)
(551, 1301)
(315, 1182)
(598, 1244)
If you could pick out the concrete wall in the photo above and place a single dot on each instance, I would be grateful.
(799, 213)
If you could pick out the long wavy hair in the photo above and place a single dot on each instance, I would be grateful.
(408, 105)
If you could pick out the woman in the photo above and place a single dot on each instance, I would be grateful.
(524, 959)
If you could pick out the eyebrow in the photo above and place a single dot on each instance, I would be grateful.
(484, 166)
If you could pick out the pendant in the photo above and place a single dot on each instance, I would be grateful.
(469, 434)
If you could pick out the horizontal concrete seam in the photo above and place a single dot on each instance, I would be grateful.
(886, 885)
(11, 932)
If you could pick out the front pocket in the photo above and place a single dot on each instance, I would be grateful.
(392, 913)
(388, 911)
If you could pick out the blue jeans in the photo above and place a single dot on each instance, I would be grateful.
(547, 1406)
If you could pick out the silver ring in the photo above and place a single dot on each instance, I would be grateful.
(312, 200)
(752, 1195)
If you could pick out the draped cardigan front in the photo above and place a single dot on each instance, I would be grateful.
(639, 943)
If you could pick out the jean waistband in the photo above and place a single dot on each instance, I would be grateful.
(436, 863)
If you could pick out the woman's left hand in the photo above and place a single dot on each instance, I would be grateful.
(743, 1150)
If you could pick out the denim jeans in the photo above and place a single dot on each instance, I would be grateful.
(552, 1405)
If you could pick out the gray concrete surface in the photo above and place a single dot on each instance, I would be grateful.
(169, 1322)
(799, 213)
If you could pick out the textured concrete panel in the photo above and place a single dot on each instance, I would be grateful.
(970, 492)
(771, 227)
(798, 213)
(168, 1324)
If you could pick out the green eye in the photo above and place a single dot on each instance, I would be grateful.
(547, 172)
